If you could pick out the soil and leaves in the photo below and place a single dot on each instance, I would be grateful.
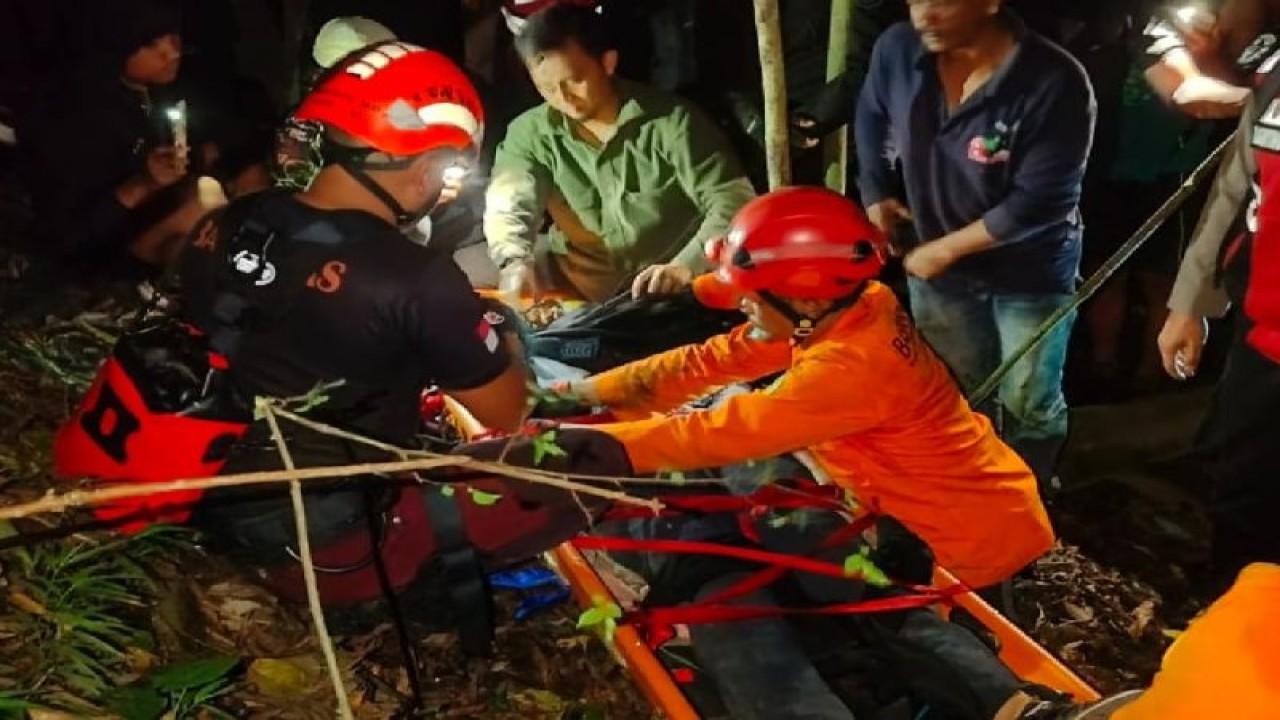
(149, 626)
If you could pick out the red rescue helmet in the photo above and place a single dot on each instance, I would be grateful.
(801, 242)
(399, 99)
(515, 12)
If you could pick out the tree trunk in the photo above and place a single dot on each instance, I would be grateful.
(835, 149)
(776, 131)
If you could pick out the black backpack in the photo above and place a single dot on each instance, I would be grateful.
(620, 330)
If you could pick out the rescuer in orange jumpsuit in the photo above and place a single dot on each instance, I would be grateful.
(861, 392)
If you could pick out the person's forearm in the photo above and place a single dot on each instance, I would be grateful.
(693, 256)
(508, 220)
(665, 381)
(1195, 291)
(970, 239)
(720, 203)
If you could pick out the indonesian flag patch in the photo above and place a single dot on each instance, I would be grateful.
(487, 335)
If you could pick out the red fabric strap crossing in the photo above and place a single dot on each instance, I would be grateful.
(657, 624)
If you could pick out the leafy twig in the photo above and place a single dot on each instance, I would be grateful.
(78, 498)
(308, 566)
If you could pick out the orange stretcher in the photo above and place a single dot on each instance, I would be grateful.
(1026, 658)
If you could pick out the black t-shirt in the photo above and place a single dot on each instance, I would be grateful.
(297, 297)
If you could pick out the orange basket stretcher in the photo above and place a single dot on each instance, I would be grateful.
(1023, 655)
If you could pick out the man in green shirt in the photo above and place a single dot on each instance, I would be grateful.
(635, 180)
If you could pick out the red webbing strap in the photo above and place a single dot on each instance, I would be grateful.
(773, 573)
(689, 547)
(656, 623)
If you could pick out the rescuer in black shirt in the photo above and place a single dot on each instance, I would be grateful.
(321, 288)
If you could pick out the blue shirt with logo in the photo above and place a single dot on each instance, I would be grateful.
(1012, 154)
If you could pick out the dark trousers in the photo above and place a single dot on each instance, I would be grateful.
(1244, 463)
(762, 668)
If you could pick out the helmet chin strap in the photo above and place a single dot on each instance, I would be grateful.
(402, 216)
(804, 324)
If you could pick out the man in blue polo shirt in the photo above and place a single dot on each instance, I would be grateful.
(990, 125)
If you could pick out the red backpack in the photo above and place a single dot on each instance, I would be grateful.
(161, 408)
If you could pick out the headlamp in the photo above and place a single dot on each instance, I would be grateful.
(455, 174)
(1194, 16)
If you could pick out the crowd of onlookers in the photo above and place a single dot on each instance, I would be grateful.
(612, 152)
(242, 64)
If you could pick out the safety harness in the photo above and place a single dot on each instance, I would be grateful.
(657, 624)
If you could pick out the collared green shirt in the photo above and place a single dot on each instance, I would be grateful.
(663, 185)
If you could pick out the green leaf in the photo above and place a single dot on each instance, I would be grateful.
(193, 673)
(860, 565)
(482, 498)
(137, 703)
(591, 617)
(544, 445)
(603, 615)
(11, 702)
(676, 477)
(447, 490)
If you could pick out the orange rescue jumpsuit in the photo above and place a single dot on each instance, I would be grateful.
(877, 410)
(1227, 664)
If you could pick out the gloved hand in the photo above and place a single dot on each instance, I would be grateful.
(518, 283)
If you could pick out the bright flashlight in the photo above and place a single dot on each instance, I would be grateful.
(177, 115)
(455, 174)
(1194, 16)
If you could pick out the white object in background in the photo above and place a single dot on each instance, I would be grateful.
(343, 35)
(7, 135)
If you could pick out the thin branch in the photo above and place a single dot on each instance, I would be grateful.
(324, 429)
(308, 565)
(514, 471)
(77, 498)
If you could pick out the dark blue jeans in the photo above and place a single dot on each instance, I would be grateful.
(973, 330)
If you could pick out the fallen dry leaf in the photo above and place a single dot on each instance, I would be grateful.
(1142, 617)
(1079, 613)
(287, 677)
